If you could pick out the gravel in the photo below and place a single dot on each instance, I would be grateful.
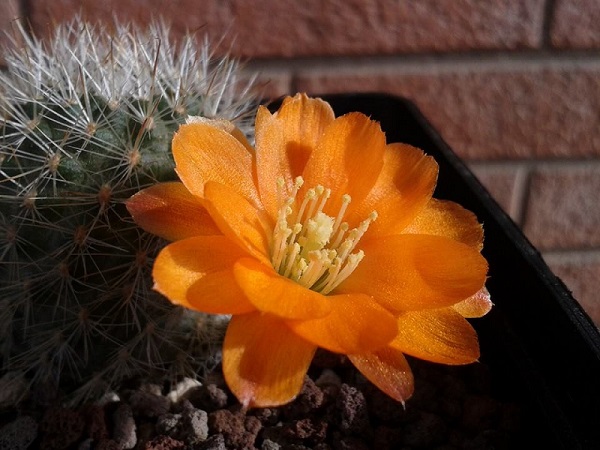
(452, 408)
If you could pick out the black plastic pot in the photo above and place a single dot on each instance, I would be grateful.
(538, 341)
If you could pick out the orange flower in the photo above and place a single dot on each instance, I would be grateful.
(322, 236)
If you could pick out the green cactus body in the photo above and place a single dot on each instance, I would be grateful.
(86, 121)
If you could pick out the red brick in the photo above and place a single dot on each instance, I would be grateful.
(290, 28)
(563, 210)
(501, 183)
(580, 272)
(576, 24)
(491, 113)
(273, 85)
(9, 11)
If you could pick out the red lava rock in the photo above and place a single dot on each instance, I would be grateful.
(61, 427)
(307, 430)
(214, 442)
(328, 378)
(252, 425)
(163, 442)
(233, 428)
(148, 404)
(168, 424)
(146, 431)
(267, 416)
(309, 399)
(194, 426)
(189, 426)
(351, 411)
(208, 397)
(124, 428)
(450, 409)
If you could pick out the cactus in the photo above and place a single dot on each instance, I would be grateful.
(86, 120)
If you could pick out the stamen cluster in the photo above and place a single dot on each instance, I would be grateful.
(310, 247)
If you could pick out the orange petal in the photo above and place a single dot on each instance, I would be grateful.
(238, 219)
(285, 140)
(475, 306)
(198, 273)
(407, 272)
(449, 219)
(440, 335)
(271, 293)
(387, 369)
(224, 125)
(171, 212)
(264, 363)
(405, 185)
(348, 160)
(206, 153)
(357, 324)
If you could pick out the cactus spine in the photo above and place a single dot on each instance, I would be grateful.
(86, 120)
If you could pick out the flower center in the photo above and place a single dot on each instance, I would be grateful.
(310, 247)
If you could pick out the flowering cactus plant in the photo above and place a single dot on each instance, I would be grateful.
(86, 119)
(323, 235)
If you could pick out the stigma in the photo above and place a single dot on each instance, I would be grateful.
(310, 247)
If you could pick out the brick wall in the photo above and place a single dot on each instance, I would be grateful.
(513, 86)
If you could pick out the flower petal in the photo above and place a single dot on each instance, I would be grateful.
(171, 212)
(357, 324)
(198, 273)
(271, 293)
(224, 125)
(440, 335)
(348, 160)
(284, 141)
(449, 219)
(411, 272)
(387, 369)
(264, 363)
(475, 306)
(405, 185)
(205, 152)
(238, 219)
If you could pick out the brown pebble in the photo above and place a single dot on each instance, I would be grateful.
(148, 404)
(351, 410)
(232, 427)
(208, 397)
(124, 428)
(164, 443)
(309, 399)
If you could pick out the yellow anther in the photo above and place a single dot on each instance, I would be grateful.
(315, 249)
